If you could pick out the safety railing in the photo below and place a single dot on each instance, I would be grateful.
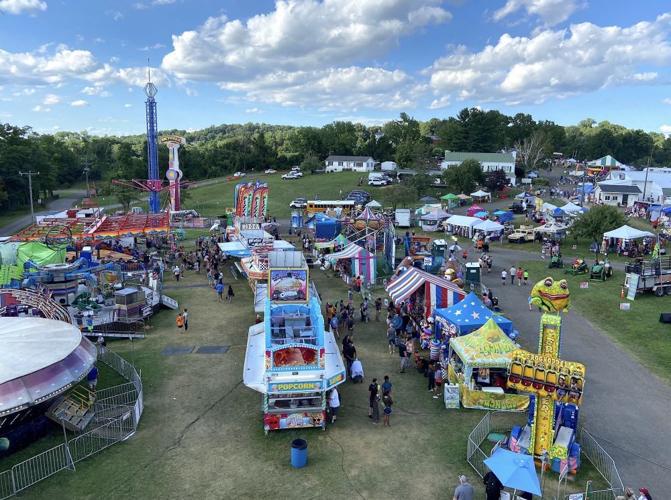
(118, 411)
(601, 461)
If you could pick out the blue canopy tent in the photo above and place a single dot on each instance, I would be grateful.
(503, 216)
(515, 470)
(482, 214)
(326, 228)
(466, 316)
(558, 212)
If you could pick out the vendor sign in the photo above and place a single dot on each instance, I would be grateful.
(492, 401)
(288, 285)
(312, 386)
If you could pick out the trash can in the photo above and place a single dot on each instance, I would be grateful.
(299, 453)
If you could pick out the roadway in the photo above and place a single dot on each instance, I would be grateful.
(64, 202)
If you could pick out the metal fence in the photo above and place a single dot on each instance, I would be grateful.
(590, 447)
(117, 414)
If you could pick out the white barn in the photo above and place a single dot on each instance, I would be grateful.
(489, 162)
(335, 163)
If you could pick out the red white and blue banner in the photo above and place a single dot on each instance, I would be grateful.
(438, 292)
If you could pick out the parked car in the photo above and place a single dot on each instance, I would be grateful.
(378, 182)
(359, 196)
(271, 171)
(239, 174)
(517, 207)
(299, 203)
(290, 175)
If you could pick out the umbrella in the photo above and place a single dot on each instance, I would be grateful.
(428, 199)
(515, 470)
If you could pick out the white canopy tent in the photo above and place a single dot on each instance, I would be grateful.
(572, 208)
(548, 207)
(480, 194)
(488, 226)
(627, 233)
(551, 228)
(462, 224)
(374, 204)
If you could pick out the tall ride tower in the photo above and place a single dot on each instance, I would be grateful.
(154, 184)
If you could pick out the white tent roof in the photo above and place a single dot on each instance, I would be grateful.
(627, 233)
(488, 226)
(548, 207)
(374, 204)
(481, 194)
(571, 208)
(550, 228)
(437, 215)
(463, 220)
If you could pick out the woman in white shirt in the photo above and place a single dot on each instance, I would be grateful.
(334, 403)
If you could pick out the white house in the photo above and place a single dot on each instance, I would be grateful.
(388, 166)
(489, 162)
(656, 188)
(619, 195)
(335, 163)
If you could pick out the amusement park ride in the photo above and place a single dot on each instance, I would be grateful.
(153, 184)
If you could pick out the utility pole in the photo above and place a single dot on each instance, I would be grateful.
(30, 174)
(87, 169)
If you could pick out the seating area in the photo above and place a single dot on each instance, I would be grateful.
(292, 327)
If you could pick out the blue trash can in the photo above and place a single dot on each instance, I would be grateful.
(299, 453)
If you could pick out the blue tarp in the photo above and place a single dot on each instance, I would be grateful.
(504, 215)
(469, 315)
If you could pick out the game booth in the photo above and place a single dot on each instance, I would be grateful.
(426, 289)
(490, 228)
(353, 261)
(479, 364)
(291, 360)
(431, 221)
(465, 317)
(461, 225)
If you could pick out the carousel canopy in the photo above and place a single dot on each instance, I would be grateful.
(488, 226)
(349, 252)
(486, 347)
(367, 214)
(627, 233)
(373, 204)
(470, 314)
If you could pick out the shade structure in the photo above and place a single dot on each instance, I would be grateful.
(435, 215)
(234, 249)
(627, 233)
(463, 221)
(486, 347)
(473, 209)
(463, 196)
(363, 263)
(481, 194)
(373, 204)
(367, 215)
(467, 316)
(488, 226)
(571, 208)
(558, 212)
(438, 292)
(428, 199)
(515, 470)
(449, 196)
(504, 215)
(482, 214)
(523, 195)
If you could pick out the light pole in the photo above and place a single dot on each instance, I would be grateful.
(86, 173)
(30, 190)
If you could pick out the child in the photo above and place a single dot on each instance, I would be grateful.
(526, 277)
(230, 294)
(387, 402)
(179, 321)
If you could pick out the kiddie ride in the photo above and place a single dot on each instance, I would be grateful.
(557, 387)
(427, 254)
(556, 262)
(579, 266)
(601, 270)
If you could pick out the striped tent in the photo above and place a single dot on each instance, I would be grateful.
(363, 262)
(438, 292)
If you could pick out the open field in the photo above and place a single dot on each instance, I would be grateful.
(201, 435)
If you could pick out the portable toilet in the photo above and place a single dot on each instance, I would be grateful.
(472, 273)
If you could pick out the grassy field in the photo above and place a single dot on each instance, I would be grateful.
(638, 330)
(201, 435)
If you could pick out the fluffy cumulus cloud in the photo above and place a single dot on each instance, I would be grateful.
(59, 64)
(304, 51)
(666, 130)
(555, 63)
(21, 6)
(79, 103)
(551, 12)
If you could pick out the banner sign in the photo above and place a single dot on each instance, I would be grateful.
(295, 387)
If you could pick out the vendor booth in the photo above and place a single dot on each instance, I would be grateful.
(474, 209)
(426, 289)
(450, 200)
(573, 209)
(503, 216)
(431, 221)
(479, 364)
(626, 240)
(552, 229)
(353, 261)
(464, 317)
(481, 195)
(490, 228)
(461, 225)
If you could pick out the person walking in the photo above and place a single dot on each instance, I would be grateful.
(92, 378)
(219, 288)
(431, 374)
(386, 385)
(177, 272)
(349, 353)
(645, 494)
(465, 490)
(402, 354)
(378, 308)
(504, 275)
(185, 316)
(387, 402)
(493, 486)
(334, 325)
(230, 294)
(334, 404)
(512, 274)
(391, 339)
(526, 277)
(374, 401)
(179, 321)
(519, 274)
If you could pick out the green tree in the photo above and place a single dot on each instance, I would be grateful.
(400, 194)
(592, 224)
(311, 163)
(464, 178)
(496, 180)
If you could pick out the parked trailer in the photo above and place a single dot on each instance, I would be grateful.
(650, 276)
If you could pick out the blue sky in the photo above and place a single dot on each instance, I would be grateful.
(81, 64)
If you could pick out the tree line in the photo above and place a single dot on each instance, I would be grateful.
(221, 150)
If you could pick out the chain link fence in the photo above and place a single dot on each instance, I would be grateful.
(117, 413)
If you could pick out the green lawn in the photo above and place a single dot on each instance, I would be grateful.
(201, 434)
(638, 330)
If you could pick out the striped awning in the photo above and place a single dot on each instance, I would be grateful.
(350, 251)
(407, 283)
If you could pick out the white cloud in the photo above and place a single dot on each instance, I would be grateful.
(191, 92)
(666, 130)
(127, 105)
(667, 100)
(364, 120)
(20, 6)
(297, 36)
(51, 99)
(38, 67)
(79, 103)
(152, 47)
(331, 89)
(41, 109)
(252, 110)
(550, 11)
(558, 63)
(163, 2)
(98, 90)
(115, 15)
(441, 102)
(145, 6)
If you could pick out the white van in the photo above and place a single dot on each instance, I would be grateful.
(378, 179)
